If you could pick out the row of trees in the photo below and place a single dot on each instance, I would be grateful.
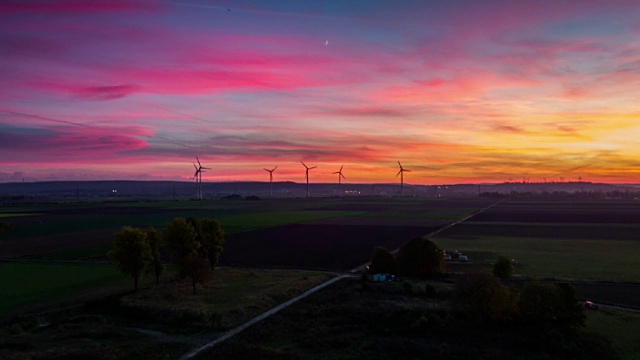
(419, 257)
(194, 246)
(484, 298)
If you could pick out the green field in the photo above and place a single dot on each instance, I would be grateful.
(620, 327)
(233, 296)
(161, 322)
(602, 260)
(29, 283)
(573, 240)
(15, 215)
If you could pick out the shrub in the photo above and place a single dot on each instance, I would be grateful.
(430, 292)
(483, 298)
(382, 261)
(420, 257)
(549, 305)
(503, 268)
(407, 287)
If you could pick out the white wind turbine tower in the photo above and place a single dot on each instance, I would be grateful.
(199, 171)
(401, 173)
(340, 177)
(307, 174)
(270, 179)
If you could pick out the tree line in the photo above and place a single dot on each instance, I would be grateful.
(481, 295)
(194, 245)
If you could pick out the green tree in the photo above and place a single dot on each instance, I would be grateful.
(154, 237)
(180, 237)
(211, 238)
(196, 268)
(420, 257)
(131, 253)
(483, 298)
(550, 305)
(503, 268)
(382, 261)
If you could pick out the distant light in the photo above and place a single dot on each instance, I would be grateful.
(114, 191)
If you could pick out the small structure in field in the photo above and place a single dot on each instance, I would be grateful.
(455, 256)
(384, 277)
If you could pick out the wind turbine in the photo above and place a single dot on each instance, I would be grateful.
(340, 177)
(270, 179)
(401, 173)
(307, 175)
(199, 171)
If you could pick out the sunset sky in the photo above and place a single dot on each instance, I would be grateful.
(458, 91)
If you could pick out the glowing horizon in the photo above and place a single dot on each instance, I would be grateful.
(459, 92)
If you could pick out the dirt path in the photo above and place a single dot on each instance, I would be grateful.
(261, 317)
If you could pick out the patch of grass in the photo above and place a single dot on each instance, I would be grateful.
(14, 215)
(252, 221)
(25, 283)
(606, 260)
(77, 253)
(621, 328)
(233, 296)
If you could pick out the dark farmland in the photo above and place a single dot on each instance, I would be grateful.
(596, 212)
(312, 246)
(577, 240)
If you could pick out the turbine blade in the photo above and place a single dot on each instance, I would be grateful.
(341, 168)
(406, 170)
(303, 164)
(399, 164)
(274, 169)
(265, 169)
(399, 172)
(198, 161)
(312, 167)
(344, 177)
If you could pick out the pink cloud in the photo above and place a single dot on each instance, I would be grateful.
(73, 6)
(67, 147)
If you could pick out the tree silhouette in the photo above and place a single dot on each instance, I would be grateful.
(503, 268)
(195, 268)
(420, 257)
(131, 253)
(154, 237)
(382, 261)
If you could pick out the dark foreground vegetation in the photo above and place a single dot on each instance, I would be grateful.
(157, 322)
(356, 320)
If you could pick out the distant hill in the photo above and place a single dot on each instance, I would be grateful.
(181, 189)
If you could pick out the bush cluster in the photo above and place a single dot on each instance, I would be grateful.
(419, 257)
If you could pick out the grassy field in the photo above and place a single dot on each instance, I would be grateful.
(621, 328)
(27, 283)
(14, 215)
(580, 240)
(233, 296)
(155, 323)
(603, 260)
(85, 231)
